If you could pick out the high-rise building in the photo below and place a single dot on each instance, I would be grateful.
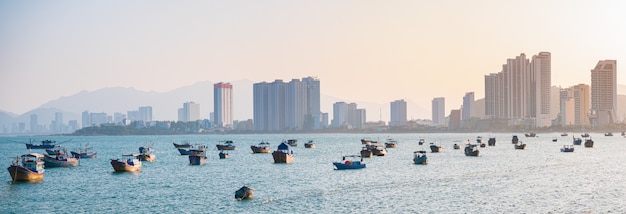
(540, 96)
(455, 119)
(145, 113)
(438, 111)
(398, 113)
(296, 101)
(34, 126)
(223, 104)
(347, 115)
(604, 93)
(85, 122)
(260, 106)
(189, 112)
(468, 106)
(574, 105)
(313, 102)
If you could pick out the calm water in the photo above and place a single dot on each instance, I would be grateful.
(540, 179)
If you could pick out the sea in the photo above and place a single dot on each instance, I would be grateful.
(539, 179)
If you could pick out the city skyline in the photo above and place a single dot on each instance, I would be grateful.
(401, 47)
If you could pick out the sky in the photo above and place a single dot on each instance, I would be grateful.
(361, 50)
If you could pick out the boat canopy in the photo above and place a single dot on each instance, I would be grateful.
(283, 146)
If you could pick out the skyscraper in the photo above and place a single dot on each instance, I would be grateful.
(468, 106)
(260, 106)
(145, 113)
(541, 72)
(313, 102)
(398, 113)
(438, 111)
(575, 105)
(223, 104)
(34, 126)
(189, 112)
(604, 93)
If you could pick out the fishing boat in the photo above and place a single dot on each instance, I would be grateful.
(608, 134)
(491, 141)
(421, 142)
(146, 154)
(189, 151)
(227, 145)
(55, 151)
(60, 160)
(456, 146)
(185, 145)
(309, 144)
(479, 140)
(531, 134)
(366, 152)
(30, 168)
(589, 143)
(128, 163)
(365, 141)
(351, 163)
(223, 155)
(244, 192)
(391, 143)
(198, 157)
(263, 147)
(435, 148)
(520, 145)
(292, 142)
(567, 148)
(419, 157)
(471, 150)
(283, 154)
(577, 141)
(84, 152)
(584, 135)
(564, 134)
(377, 149)
(554, 139)
(514, 140)
(45, 144)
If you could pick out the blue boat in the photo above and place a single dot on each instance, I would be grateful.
(350, 164)
(223, 155)
(45, 144)
(184, 151)
(228, 145)
(198, 157)
(60, 160)
(84, 152)
(419, 157)
(577, 141)
(567, 148)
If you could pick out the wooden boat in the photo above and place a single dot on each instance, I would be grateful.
(456, 146)
(244, 192)
(514, 140)
(608, 134)
(479, 140)
(310, 145)
(55, 151)
(227, 145)
(84, 152)
(471, 150)
(377, 149)
(198, 157)
(564, 134)
(283, 154)
(366, 141)
(263, 147)
(577, 141)
(531, 134)
(349, 164)
(60, 160)
(419, 157)
(29, 169)
(391, 143)
(491, 141)
(146, 154)
(482, 145)
(45, 144)
(185, 145)
(584, 135)
(128, 163)
(421, 142)
(435, 148)
(520, 145)
(567, 148)
(554, 139)
(366, 152)
(185, 151)
(223, 155)
(589, 143)
(292, 142)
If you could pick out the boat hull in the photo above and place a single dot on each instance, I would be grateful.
(310, 146)
(349, 165)
(423, 160)
(19, 173)
(84, 155)
(53, 162)
(436, 149)
(223, 155)
(366, 153)
(257, 149)
(182, 146)
(123, 166)
(197, 159)
(391, 145)
(523, 146)
(225, 147)
(147, 157)
(31, 146)
(244, 193)
(589, 143)
(567, 149)
(185, 151)
(282, 157)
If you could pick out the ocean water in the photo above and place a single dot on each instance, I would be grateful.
(539, 179)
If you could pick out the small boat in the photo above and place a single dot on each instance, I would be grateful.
(479, 140)
(471, 150)
(567, 148)
(128, 163)
(263, 147)
(520, 145)
(84, 152)
(577, 141)
(482, 145)
(391, 143)
(189, 151)
(589, 143)
(366, 152)
(30, 169)
(608, 134)
(45, 144)
(419, 157)
(292, 142)
(456, 146)
(531, 134)
(146, 154)
(244, 192)
(492, 141)
(185, 145)
(564, 134)
(435, 148)
(60, 160)
(377, 149)
(55, 151)
(584, 135)
(421, 142)
(350, 164)
(515, 139)
(283, 154)
(366, 141)
(198, 157)
(309, 144)
(223, 155)
(227, 145)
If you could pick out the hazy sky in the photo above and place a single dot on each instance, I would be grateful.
(361, 50)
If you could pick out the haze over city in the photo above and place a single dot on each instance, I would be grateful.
(360, 50)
